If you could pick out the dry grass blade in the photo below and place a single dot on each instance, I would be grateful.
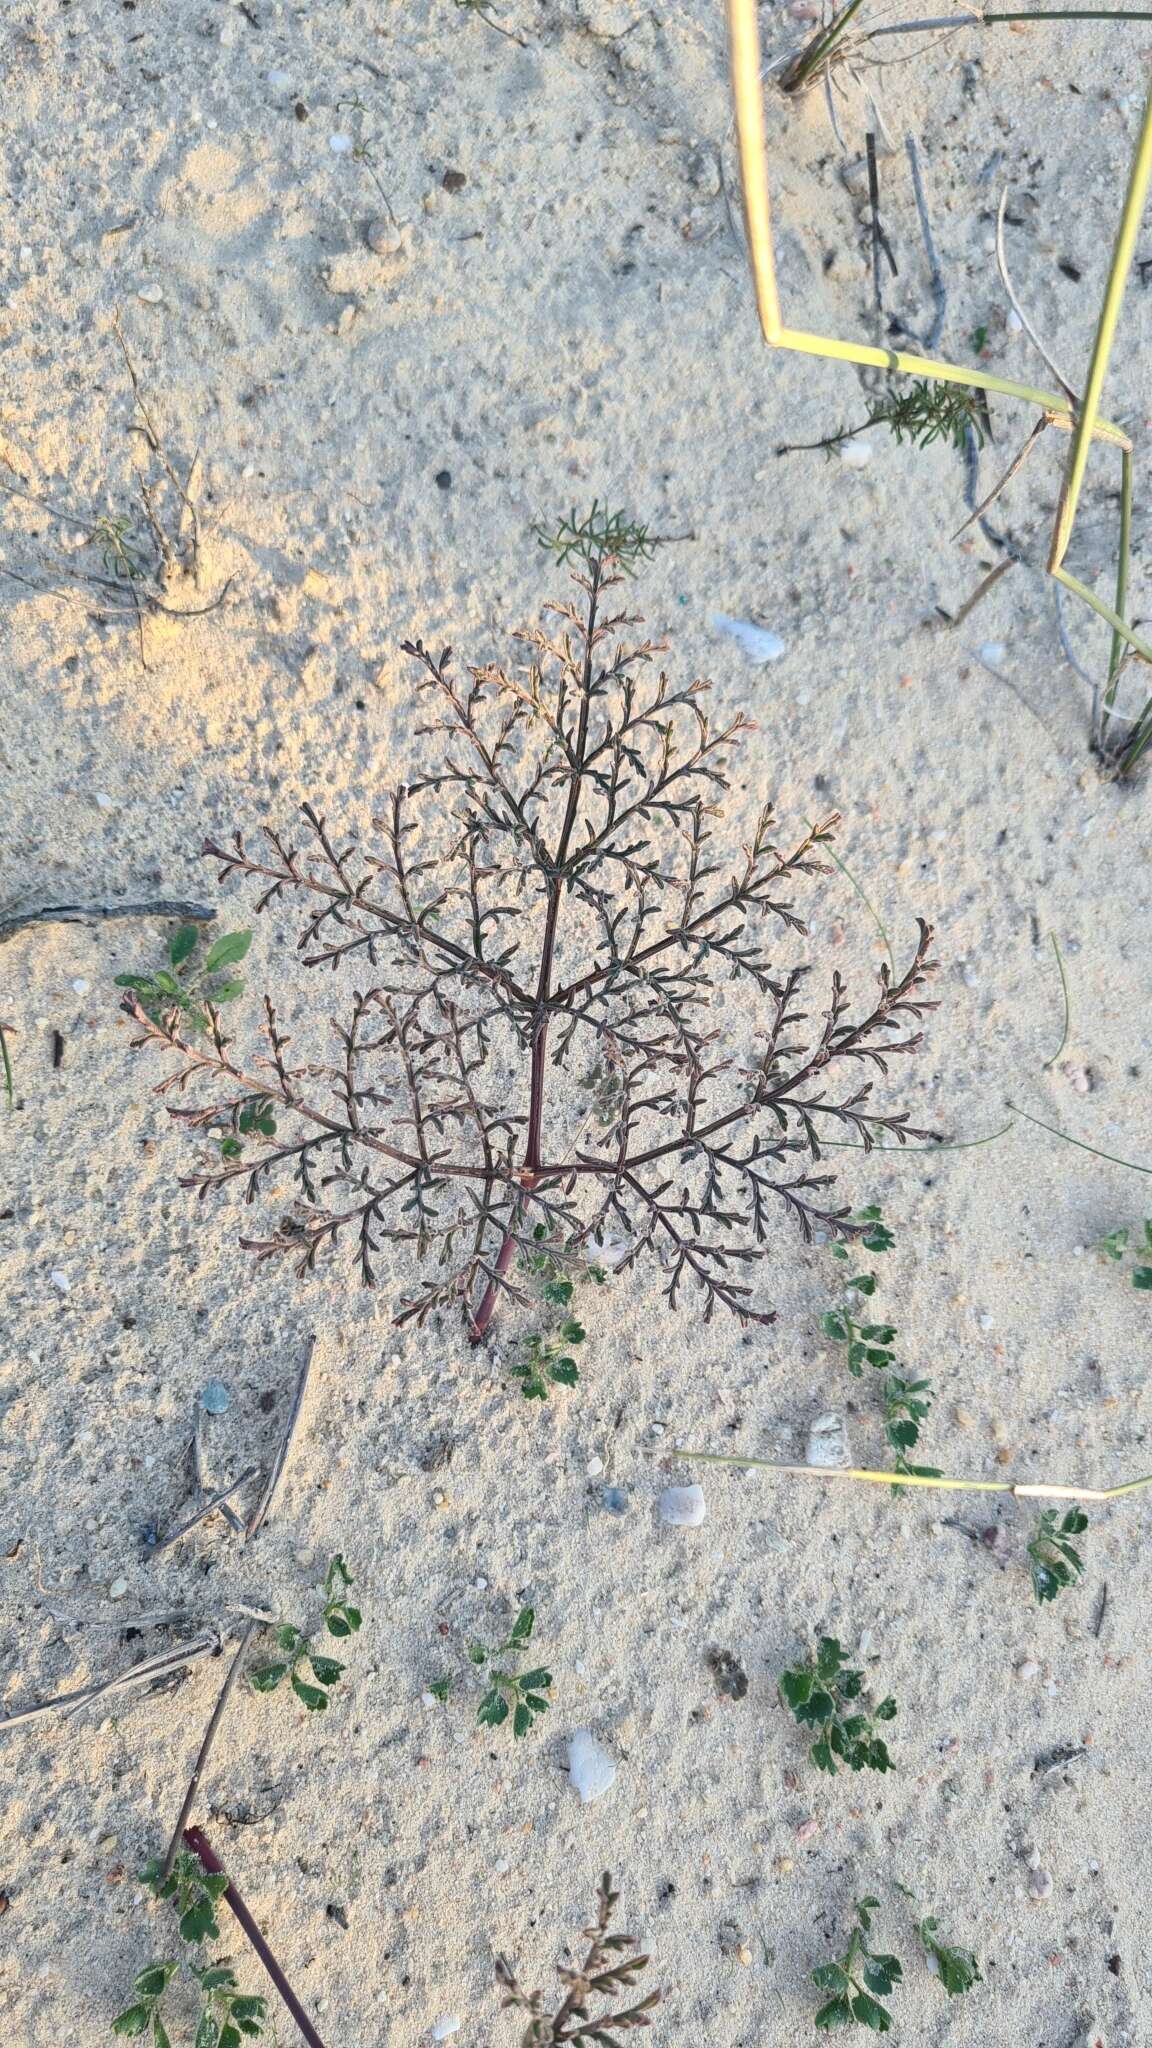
(267, 1499)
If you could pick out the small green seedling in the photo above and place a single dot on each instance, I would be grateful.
(1055, 1563)
(930, 412)
(340, 1619)
(545, 1358)
(143, 2015)
(818, 1693)
(906, 1404)
(868, 1343)
(859, 1981)
(226, 2013)
(509, 1693)
(601, 533)
(1114, 1247)
(956, 1968)
(876, 1238)
(195, 1892)
(187, 987)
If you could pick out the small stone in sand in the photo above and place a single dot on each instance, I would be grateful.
(450, 2024)
(1040, 1885)
(614, 1500)
(61, 1281)
(682, 1507)
(117, 1589)
(590, 1767)
(827, 1440)
(214, 1399)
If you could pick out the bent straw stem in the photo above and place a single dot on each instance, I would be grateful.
(1019, 1489)
(1122, 255)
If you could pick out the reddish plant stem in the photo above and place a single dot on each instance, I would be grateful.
(535, 1138)
(200, 1846)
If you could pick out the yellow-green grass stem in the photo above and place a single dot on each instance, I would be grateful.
(753, 155)
(1089, 407)
(1117, 649)
(1019, 1489)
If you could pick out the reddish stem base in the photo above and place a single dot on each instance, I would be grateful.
(200, 1846)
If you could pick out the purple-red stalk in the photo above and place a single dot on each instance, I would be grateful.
(200, 1846)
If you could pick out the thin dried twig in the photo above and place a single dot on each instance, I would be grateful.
(205, 1750)
(264, 1505)
(158, 1666)
(1040, 347)
(96, 913)
(206, 1508)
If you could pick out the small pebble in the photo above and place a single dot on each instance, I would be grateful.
(1040, 1885)
(450, 2024)
(481, 1585)
(340, 145)
(429, 1699)
(443, 479)
(1028, 1669)
(590, 1767)
(151, 294)
(827, 1441)
(214, 1399)
(595, 1467)
(81, 987)
(103, 800)
(993, 652)
(117, 1589)
(744, 1954)
(855, 454)
(758, 643)
(614, 1500)
(278, 80)
(682, 1507)
(61, 1281)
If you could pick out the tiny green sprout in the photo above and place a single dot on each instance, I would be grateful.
(930, 412)
(340, 1619)
(1114, 1247)
(510, 1693)
(226, 2012)
(600, 535)
(1055, 1563)
(544, 1358)
(195, 1892)
(859, 1981)
(143, 2015)
(876, 1238)
(868, 1343)
(956, 1968)
(824, 1693)
(191, 989)
(906, 1404)
(978, 340)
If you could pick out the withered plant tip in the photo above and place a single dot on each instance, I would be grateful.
(548, 892)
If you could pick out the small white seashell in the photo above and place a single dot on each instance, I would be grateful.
(827, 1440)
(81, 987)
(450, 2024)
(682, 1507)
(590, 1767)
(757, 642)
(151, 294)
(61, 1281)
(117, 1589)
(993, 652)
(1014, 323)
(595, 1467)
(103, 800)
(612, 1249)
(855, 454)
(340, 145)
(429, 1699)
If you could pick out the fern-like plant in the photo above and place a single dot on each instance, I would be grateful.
(606, 1971)
(548, 890)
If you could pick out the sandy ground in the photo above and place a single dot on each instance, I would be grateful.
(377, 433)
